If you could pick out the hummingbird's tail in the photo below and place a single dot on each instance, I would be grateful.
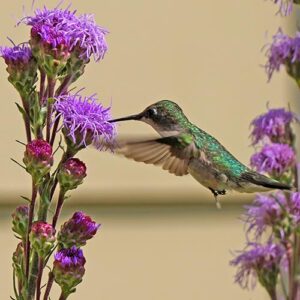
(262, 181)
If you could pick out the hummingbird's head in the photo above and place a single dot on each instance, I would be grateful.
(165, 116)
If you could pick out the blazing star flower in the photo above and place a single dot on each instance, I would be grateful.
(285, 51)
(85, 121)
(77, 230)
(20, 220)
(258, 262)
(89, 38)
(62, 29)
(275, 125)
(68, 269)
(266, 211)
(21, 67)
(274, 159)
(17, 55)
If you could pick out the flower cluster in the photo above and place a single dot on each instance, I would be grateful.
(284, 51)
(61, 43)
(58, 35)
(261, 262)
(274, 125)
(85, 121)
(274, 159)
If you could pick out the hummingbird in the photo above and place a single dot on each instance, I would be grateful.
(184, 148)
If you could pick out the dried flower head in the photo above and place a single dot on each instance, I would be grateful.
(274, 159)
(77, 230)
(85, 121)
(258, 262)
(274, 125)
(68, 269)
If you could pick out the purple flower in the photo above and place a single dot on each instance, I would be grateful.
(68, 269)
(284, 50)
(77, 230)
(258, 262)
(21, 67)
(85, 121)
(275, 125)
(62, 30)
(69, 258)
(71, 173)
(266, 211)
(274, 159)
(285, 6)
(17, 55)
(89, 38)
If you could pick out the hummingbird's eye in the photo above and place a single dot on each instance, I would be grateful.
(152, 112)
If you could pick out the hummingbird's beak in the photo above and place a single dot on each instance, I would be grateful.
(132, 117)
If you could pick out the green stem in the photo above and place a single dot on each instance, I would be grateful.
(27, 119)
(51, 87)
(59, 206)
(30, 220)
(33, 276)
(60, 91)
(39, 278)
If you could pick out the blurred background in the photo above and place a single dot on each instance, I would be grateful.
(162, 236)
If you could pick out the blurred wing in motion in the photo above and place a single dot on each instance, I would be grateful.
(172, 153)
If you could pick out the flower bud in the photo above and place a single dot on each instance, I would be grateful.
(77, 230)
(21, 67)
(42, 237)
(38, 159)
(68, 269)
(20, 220)
(71, 173)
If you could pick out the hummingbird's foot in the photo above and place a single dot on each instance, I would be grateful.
(216, 194)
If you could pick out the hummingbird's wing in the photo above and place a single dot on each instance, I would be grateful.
(172, 153)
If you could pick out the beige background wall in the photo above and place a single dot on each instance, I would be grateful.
(206, 56)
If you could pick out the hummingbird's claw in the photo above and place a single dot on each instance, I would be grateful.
(216, 193)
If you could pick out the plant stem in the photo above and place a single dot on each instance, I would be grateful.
(33, 276)
(42, 88)
(63, 296)
(30, 220)
(51, 87)
(59, 206)
(60, 91)
(26, 119)
(49, 286)
(39, 278)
